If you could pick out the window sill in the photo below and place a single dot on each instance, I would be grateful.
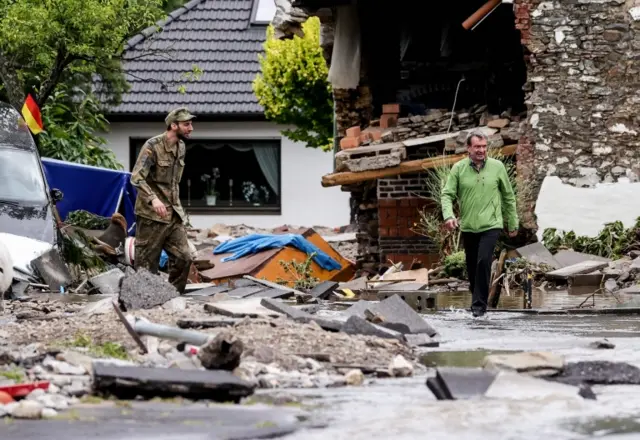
(233, 210)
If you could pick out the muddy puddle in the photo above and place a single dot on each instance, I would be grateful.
(406, 409)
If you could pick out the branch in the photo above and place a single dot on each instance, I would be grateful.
(12, 83)
(49, 84)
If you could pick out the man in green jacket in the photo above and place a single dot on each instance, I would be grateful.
(481, 186)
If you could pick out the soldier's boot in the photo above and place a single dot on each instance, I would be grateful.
(179, 269)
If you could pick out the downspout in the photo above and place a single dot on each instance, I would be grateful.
(335, 132)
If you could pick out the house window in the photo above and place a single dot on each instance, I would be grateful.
(249, 175)
(263, 11)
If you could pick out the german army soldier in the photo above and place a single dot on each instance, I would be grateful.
(160, 219)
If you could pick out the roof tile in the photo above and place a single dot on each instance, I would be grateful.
(214, 35)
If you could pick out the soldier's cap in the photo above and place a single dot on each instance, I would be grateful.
(180, 114)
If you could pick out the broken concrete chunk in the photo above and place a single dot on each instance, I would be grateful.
(354, 377)
(631, 290)
(53, 270)
(420, 340)
(129, 382)
(577, 269)
(272, 293)
(249, 307)
(536, 253)
(454, 383)
(356, 325)
(324, 289)
(400, 367)
(510, 385)
(569, 258)
(602, 344)
(144, 290)
(611, 285)
(222, 352)
(300, 315)
(108, 283)
(534, 363)
(396, 314)
(207, 323)
(599, 373)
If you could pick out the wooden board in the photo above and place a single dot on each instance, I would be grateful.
(411, 166)
(577, 269)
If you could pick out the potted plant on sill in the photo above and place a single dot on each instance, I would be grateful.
(211, 195)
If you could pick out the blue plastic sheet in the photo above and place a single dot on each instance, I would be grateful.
(93, 189)
(254, 243)
(163, 259)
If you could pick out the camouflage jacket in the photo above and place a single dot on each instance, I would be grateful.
(157, 173)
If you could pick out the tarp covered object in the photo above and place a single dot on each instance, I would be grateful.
(254, 243)
(93, 189)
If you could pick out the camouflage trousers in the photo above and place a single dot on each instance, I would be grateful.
(152, 237)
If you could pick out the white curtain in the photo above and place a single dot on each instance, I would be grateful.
(266, 156)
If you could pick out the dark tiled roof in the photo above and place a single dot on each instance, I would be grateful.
(214, 35)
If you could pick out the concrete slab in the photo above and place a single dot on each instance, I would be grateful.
(568, 258)
(272, 293)
(245, 291)
(240, 308)
(53, 270)
(514, 386)
(108, 283)
(324, 289)
(392, 159)
(527, 362)
(576, 269)
(209, 291)
(394, 310)
(536, 253)
(599, 373)
(299, 315)
(421, 340)
(128, 382)
(360, 326)
(587, 279)
(455, 383)
(144, 290)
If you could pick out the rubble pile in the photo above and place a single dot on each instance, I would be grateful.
(503, 129)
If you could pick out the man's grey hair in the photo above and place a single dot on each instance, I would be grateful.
(475, 134)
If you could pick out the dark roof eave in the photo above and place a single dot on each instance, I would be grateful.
(206, 117)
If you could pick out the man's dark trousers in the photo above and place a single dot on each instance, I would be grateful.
(478, 248)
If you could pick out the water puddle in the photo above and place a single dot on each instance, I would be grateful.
(470, 358)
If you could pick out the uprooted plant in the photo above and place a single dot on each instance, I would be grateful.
(300, 274)
(613, 241)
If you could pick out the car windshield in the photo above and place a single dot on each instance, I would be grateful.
(21, 177)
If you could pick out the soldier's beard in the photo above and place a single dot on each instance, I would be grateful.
(181, 135)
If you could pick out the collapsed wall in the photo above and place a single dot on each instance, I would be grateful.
(582, 92)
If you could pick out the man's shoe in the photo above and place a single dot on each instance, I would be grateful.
(478, 313)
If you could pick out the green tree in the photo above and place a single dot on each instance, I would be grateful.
(71, 124)
(292, 86)
(172, 5)
(43, 42)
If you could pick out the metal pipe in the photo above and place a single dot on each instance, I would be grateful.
(478, 16)
(144, 327)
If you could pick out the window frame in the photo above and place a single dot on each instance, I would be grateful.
(222, 210)
(254, 14)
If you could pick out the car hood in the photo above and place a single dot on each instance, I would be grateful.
(35, 222)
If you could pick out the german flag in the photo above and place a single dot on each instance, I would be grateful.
(31, 115)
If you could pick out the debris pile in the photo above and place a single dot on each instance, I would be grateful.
(503, 129)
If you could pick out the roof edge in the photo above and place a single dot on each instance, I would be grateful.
(149, 31)
(201, 117)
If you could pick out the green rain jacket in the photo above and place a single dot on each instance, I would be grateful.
(482, 194)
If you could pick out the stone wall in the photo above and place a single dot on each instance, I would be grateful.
(583, 90)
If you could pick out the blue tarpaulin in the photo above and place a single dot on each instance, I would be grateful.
(254, 243)
(93, 189)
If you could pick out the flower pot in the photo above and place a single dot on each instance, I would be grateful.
(211, 200)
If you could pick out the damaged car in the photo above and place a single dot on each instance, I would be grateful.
(28, 225)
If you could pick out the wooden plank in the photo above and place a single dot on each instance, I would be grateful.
(410, 166)
(577, 269)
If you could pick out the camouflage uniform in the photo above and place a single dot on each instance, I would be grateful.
(157, 174)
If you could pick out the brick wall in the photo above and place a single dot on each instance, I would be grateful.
(397, 241)
(403, 186)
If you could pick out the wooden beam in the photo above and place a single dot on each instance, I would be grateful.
(481, 13)
(410, 166)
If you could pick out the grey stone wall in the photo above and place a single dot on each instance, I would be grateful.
(584, 88)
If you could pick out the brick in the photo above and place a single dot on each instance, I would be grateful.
(390, 109)
(365, 137)
(388, 121)
(386, 203)
(353, 131)
(374, 132)
(349, 142)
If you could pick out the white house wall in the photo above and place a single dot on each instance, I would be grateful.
(304, 201)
